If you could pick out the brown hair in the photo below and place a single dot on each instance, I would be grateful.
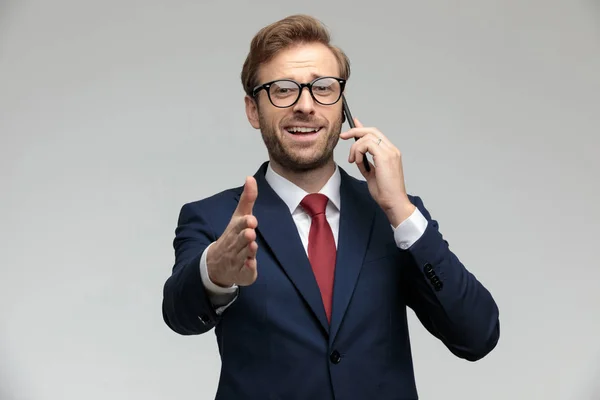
(295, 29)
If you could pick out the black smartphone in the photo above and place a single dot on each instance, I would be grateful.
(350, 120)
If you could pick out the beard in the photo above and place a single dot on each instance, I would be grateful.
(297, 159)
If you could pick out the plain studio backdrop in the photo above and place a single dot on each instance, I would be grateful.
(113, 114)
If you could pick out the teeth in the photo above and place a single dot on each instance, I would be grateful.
(297, 129)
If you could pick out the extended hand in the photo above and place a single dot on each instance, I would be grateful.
(232, 258)
(386, 177)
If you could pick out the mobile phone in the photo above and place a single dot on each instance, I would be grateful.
(350, 120)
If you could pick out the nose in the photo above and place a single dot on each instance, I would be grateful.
(305, 104)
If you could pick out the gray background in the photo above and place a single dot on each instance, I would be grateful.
(115, 113)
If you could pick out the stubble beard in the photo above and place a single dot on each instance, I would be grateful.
(293, 162)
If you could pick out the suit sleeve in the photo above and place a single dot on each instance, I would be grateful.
(187, 308)
(449, 300)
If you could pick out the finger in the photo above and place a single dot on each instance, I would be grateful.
(248, 273)
(244, 238)
(250, 266)
(356, 133)
(248, 197)
(246, 221)
(244, 261)
(359, 133)
(363, 145)
(248, 252)
(242, 256)
(252, 249)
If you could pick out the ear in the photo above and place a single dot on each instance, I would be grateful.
(252, 112)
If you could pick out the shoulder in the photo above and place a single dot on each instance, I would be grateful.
(360, 189)
(360, 186)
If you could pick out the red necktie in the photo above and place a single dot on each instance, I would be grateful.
(321, 247)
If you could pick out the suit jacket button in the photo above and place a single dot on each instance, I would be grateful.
(335, 357)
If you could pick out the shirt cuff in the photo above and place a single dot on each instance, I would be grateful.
(211, 287)
(410, 230)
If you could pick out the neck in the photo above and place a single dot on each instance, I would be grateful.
(312, 180)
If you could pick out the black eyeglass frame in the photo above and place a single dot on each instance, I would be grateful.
(301, 86)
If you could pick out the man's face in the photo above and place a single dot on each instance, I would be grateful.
(288, 145)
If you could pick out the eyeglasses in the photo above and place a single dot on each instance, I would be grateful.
(285, 93)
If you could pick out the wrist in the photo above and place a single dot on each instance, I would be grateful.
(218, 280)
(400, 213)
(214, 272)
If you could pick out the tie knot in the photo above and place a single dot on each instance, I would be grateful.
(314, 204)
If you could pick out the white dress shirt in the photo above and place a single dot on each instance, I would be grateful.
(405, 234)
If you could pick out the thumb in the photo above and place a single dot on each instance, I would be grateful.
(248, 197)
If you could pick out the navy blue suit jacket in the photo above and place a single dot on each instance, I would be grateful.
(275, 341)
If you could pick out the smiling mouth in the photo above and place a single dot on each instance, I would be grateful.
(301, 130)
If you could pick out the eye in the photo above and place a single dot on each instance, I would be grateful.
(321, 88)
(283, 89)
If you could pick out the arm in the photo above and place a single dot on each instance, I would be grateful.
(191, 305)
(448, 300)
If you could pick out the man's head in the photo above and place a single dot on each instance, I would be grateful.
(297, 49)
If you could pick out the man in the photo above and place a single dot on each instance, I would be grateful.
(305, 272)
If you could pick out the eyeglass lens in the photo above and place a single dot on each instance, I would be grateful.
(325, 91)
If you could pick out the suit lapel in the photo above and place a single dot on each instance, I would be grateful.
(277, 227)
(356, 221)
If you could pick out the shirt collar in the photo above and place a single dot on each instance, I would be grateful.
(292, 195)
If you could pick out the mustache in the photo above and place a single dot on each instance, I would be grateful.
(305, 120)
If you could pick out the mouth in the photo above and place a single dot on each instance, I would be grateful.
(303, 130)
